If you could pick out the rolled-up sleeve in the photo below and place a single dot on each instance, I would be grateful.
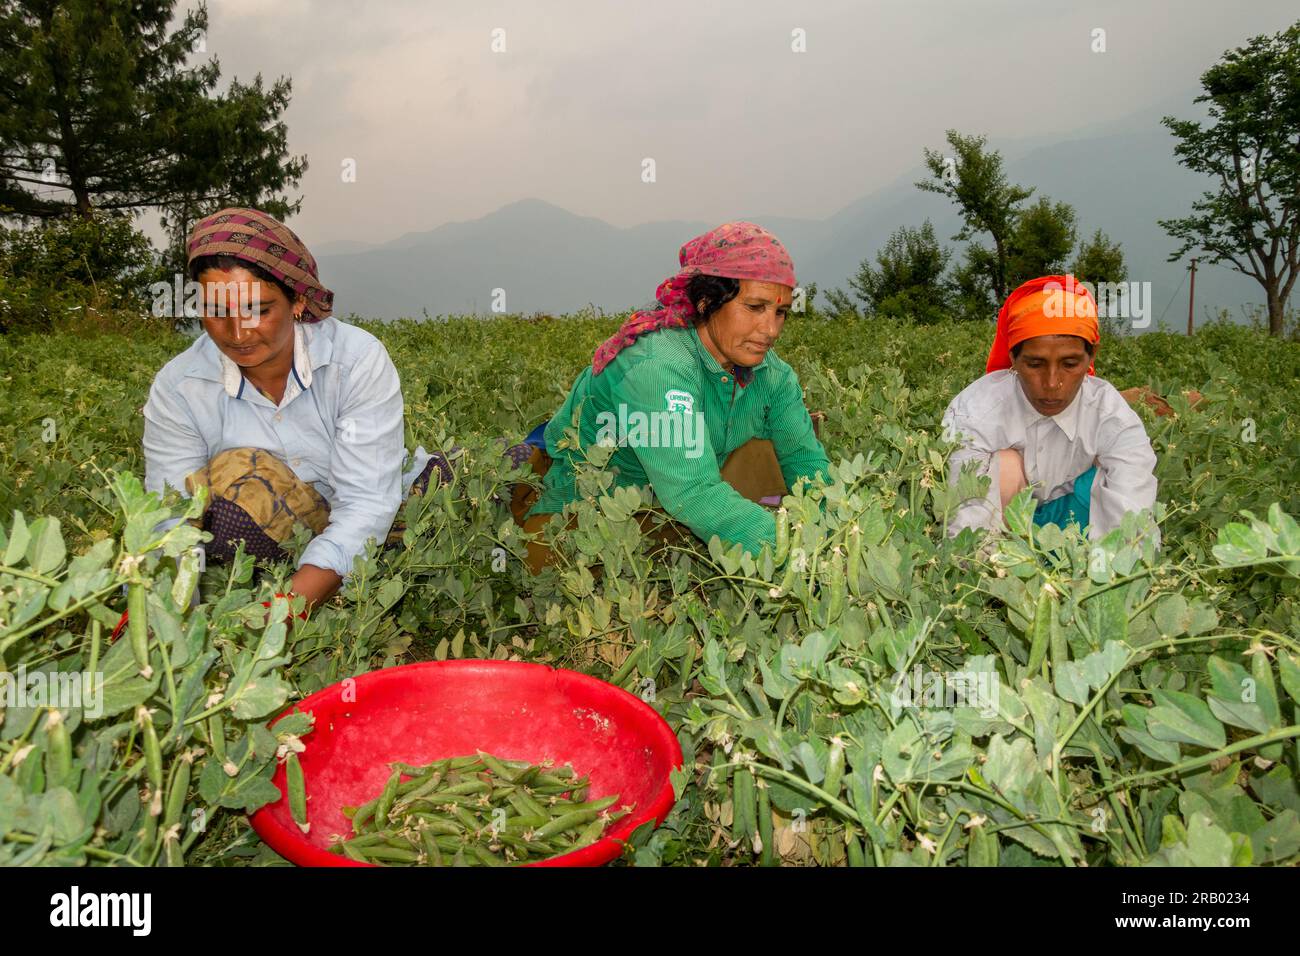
(793, 438)
(173, 445)
(365, 464)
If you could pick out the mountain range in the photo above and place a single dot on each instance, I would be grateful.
(1121, 177)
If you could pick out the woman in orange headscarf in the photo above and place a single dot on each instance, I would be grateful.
(1041, 418)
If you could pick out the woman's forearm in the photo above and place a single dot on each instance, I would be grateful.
(315, 584)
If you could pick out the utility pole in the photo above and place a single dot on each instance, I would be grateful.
(1191, 299)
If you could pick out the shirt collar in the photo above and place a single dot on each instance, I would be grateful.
(1067, 420)
(313, 346)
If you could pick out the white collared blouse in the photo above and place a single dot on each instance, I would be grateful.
(992, 413)
(339, 427)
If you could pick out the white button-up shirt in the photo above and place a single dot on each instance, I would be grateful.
(339, 427)
(1098, 427)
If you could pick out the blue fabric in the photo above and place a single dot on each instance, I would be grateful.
(536, 437)
(1076, 506)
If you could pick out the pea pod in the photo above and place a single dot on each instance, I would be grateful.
(782, 549)
(217, 737)
(836, 584)
(178, 789)
(58, 750)
(297, 786)
(982, 848)
(386, 798)
(432, 852)
(152, 751)
(1060, 647)
(567, 821)
(389, 854)
(1041, 630)
(744, 814)
(592, 833)
(854, 852)
(137, 621)
(486, 812)
(834, 767)
(855, 560)
(766, 853)
(791, 575)
(187, 578)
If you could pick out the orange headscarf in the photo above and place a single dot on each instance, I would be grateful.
(1048, 305)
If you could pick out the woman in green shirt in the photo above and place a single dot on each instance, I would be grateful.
(693, 398)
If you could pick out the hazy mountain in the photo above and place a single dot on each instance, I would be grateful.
(1120, 177)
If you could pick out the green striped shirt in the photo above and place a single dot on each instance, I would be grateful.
(675, 415)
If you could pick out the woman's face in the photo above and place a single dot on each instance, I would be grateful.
(742, 331)
(250, 320)
(1051, 368)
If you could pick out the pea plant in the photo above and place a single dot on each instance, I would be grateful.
(870, 691)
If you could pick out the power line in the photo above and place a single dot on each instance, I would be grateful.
(1171, 299)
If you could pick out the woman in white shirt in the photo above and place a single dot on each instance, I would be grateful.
(283, 413)
(1040, 418)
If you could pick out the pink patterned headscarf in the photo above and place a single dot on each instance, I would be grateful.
(253, 236)
(736, 250)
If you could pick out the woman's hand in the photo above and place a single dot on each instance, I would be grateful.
(314, 584)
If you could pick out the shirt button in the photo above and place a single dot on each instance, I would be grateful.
(724, 378)
(279, 417)
(297, 461)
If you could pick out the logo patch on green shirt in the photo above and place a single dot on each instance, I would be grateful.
(679, 401)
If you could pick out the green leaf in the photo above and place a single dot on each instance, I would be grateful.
(1184, 718)
(1286, 529)
(1019, 513)
(1175, 615)
(1289, 668)
(18, 540)
(1278, 839)
(260, 697)
(1011, 768)
(903, 752)
(1238, 714)
(1071, 682)
(249, 791)
(1166, 751)
(124, 689)
(46, 551)
(1239, 544)
(1100, 666)
(1206, 845)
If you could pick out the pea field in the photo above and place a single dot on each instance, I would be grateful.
(1145, 689)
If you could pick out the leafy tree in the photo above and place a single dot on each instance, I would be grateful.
(101, 112)
(1251, 148)
(841, 303)
(1100, 263)
(1041, 242)
(973, 178)
(1099, 260)
(908, 278)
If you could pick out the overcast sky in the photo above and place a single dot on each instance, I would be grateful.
(442, 128)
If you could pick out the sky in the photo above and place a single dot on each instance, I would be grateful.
(443, 127)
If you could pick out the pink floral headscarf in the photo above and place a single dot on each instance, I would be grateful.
(736, 250)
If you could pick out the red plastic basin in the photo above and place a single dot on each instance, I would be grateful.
(418, 713)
